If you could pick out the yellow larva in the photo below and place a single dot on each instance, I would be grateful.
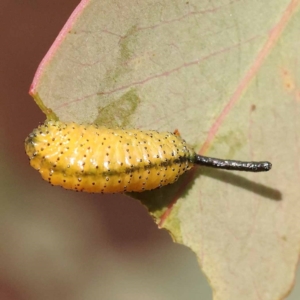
(101, 160)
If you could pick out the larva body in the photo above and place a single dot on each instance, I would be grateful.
(97, 159)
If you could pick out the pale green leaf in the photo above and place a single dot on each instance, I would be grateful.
(226, 74)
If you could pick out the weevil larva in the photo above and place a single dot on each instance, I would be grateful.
(97, 159)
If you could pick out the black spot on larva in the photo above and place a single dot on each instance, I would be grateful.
(146, 167)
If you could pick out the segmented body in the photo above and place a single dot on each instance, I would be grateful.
(97, 159)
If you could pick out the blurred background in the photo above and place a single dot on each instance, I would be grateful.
(57, 244)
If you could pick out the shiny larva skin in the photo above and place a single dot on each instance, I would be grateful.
(101, 160)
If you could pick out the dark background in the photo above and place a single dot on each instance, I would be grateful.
(57, 244)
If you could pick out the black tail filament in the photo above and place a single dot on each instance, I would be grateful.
(234, 165)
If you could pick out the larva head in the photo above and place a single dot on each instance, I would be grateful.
(39, 143)
(32, 145)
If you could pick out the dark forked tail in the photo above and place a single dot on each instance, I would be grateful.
(235, 165)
